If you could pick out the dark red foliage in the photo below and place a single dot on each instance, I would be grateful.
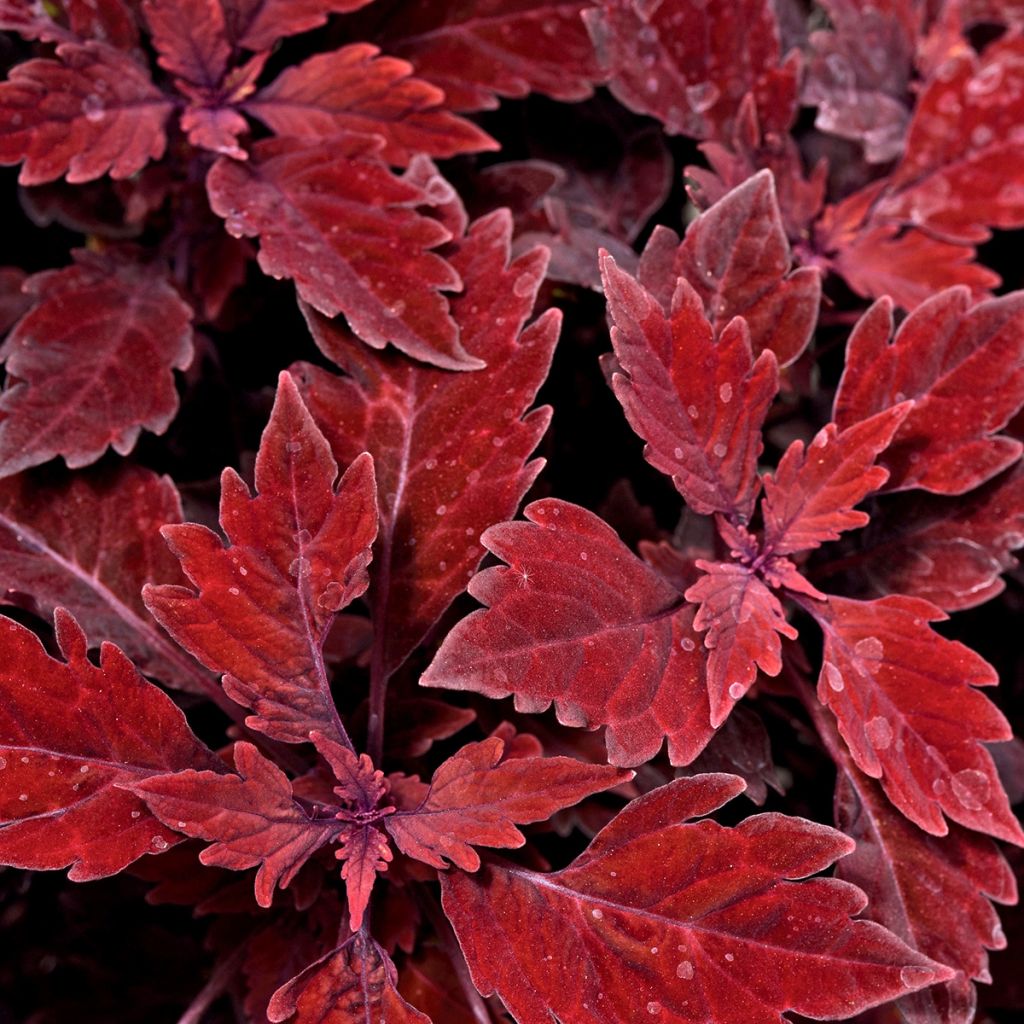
(645, 378)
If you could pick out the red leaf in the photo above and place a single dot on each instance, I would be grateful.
(334, 218)
(702, 429)
(685, 63)
(355, 89)
(576, 618)
(737, 258)
(249, 819)
(351, 985)
(932, 892)
(905, 702)
(640, 927)
(476, 799)
(93, 112)
(76, 384)
(13, 301)
(190, 38)
(90, 542)
(478, 50)
(63, 796)
(296, 555)
(743, 620)
(811, 496)
(364, 852)
(944, 355)
(258, 24)
(451, 450)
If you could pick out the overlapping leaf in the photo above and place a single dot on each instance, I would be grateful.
(297, 554)
(190, 38)
(682, 921)
(78, 384)
(13, 301)
(258, 24)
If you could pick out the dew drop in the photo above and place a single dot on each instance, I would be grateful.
(702, 96)
(397, 308)
(181, 824)
(293, 446)
(303, 537)
(3, 763)
(234, 591)
(84, 769)
(242, 571)
(597, 914)
(136, 814)
(654, 950)
(916, 977)
(653, 1007)
(833, 677)
(687, 644)
(971, 788)
(719, 449)
(879, 733)
(730, 957)
(725, 393)
(684, 970)
(870, 647)
(159, 843)
(678, 453)
(92, 107)
(442, 566)
(23, 798)
(736, 690)
(692, 411)
(24, 760)
(583, 556)
(497, 441)
(441, 509)
(430, 464)
(299, 568)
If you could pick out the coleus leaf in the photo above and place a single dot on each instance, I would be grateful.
(63, 791)
(258, 24)
(906, 705)
(702, 429)
(432, 432)
(249, 819)
(356, 89)
(476, 798)
(737, 258)
(576, 618)
(13, 301)
(737, 941)
(91, 112)
(76, 384)
(190, 38)
(310, 204)
(297, 554)
(943, 356)
(353, 984)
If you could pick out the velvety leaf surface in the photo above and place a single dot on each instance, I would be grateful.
(351, 985)
(92, 112)
(702, 429)
(943, 356)
(296, 554)
(63, 795)
(355, 89)
(335, 219)
(451, 450)
(477, 799)
(249, 819)
(258, 24)
(743, 623)
(190, 38)
(13, 301)
(89, 542)
(933, 892)
(78, 384)
(479, 50)
(906, 704)
(737, 258)
(811, 496)
(576, 618)
(688, 922)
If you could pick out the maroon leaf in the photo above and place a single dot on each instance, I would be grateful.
(640, 928)
(353, 984)
(451, 450)
(702, 429)
(249, 819)
(364, 853)
(190, 38)
(355, 89)
(944, 355)
(258, 24)
(576, 618)
(92, 112)
(13, 301)
(737, 258)
(334, 218)
(476, 799)
(76, 384)
(905, 702)
(296, 555)
(63, 800)
(811, 496)
(744, 621)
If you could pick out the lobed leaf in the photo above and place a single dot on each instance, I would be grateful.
(259, 24)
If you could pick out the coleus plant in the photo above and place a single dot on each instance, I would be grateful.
(290, 724)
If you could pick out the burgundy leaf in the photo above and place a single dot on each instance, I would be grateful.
(364, 853)
(355, 89)
(92, 112)
(905, 702)
(417, 723)
(743, 621)
(811, 496)
(737, 258)
(13, 301)
(451, 450)
(354, 984)
(249, 819)
(190, 38)
(576, 618)
(476, 799)
(63, 800)
(296, 555)
(333, 217)
(943, 356)
(78, 384)
(258, 24)
(702, 429)
(688, 922)
(105, 21)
